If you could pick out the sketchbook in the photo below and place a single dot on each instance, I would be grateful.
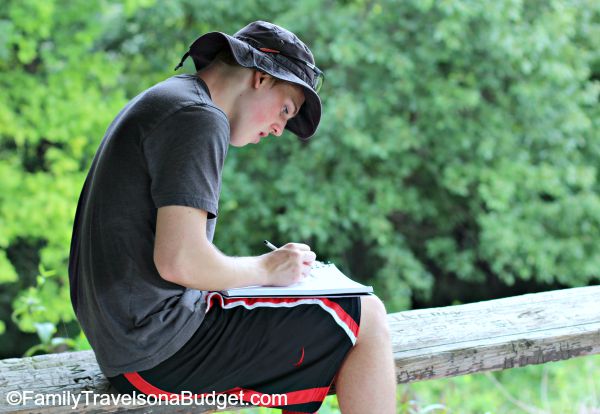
(325, 280)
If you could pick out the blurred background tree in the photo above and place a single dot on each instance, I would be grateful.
(457, 158)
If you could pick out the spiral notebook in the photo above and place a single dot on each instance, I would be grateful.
(325, 280)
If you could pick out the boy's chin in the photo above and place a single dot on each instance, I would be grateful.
(238, 142)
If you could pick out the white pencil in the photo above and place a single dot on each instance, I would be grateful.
(270, 245)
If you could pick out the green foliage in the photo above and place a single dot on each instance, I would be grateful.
(45, 301)
(459, 139)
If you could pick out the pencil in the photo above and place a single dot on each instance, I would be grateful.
(270, 245)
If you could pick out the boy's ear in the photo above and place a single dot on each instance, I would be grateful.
(258, 78)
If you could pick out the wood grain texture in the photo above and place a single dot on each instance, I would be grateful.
(497, 334)
(428, 343)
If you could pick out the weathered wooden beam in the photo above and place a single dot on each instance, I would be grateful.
(497, 334)
(428, 343)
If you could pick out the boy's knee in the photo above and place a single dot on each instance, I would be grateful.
(373, 321)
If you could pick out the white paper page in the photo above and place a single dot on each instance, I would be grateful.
(323, 277)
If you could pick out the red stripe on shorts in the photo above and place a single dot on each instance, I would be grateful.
(293, 397)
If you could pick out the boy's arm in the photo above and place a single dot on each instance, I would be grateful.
(183, 255)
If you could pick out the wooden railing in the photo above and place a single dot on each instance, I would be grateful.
(428, 343)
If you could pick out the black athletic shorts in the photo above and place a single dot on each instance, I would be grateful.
(261, 346)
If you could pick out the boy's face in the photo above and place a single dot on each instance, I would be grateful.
(264, 109)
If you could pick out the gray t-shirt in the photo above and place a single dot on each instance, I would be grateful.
(166, 147)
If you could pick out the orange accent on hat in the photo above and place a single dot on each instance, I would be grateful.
(265, 49)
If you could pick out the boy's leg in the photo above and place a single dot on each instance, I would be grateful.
(366, 382)
(291, 346)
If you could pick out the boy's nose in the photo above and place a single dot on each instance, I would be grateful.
(277, 129)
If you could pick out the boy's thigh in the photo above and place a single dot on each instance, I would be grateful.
(373, 323)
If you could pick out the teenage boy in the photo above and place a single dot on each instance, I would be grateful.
(142, 262)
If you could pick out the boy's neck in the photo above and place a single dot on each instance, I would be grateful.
(225, 85)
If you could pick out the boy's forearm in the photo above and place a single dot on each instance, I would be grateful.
(209, 269)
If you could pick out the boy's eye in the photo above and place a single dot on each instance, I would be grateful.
(285, 110)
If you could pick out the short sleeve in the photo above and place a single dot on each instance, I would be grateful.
(185, 155)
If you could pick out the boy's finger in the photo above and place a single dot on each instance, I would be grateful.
(297, 246)
(309, 257)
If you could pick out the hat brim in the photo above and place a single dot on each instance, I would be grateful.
(206, 47)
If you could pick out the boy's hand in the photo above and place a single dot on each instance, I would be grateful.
(288, 264)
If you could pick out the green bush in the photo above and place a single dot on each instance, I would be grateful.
(459, 139)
